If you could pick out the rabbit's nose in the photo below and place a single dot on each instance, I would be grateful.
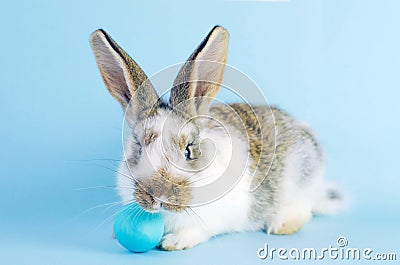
(157, 205)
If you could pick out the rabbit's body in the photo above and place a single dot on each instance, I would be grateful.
(274, 162)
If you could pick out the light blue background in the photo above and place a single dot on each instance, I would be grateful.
(333, 64)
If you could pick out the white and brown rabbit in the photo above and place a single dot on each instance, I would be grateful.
(176, 150)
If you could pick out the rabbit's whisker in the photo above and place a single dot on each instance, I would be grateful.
(95, 159)
(114, 214)
(103, 205)
(105, 187)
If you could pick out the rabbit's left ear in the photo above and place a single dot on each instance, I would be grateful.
(200, 78)
(123, 77)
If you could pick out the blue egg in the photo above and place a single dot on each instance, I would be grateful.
(138, 230)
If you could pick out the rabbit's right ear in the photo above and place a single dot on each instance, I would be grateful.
(124, 79)
(200, 78)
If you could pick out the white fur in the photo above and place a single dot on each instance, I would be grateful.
(297, 199)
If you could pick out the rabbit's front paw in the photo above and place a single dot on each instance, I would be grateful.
(289, 224)
(183, 239)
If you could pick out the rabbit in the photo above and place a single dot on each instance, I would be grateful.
(285, 158)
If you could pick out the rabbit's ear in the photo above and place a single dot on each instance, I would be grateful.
(124, 79)
(200, 78)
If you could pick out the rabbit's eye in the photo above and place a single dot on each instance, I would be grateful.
(192, 152)
(188, 153)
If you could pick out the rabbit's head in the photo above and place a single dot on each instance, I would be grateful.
(166, 151)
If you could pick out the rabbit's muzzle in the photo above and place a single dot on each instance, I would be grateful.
(163, 191)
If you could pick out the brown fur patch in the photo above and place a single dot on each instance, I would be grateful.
(180, 142)
(149, 137)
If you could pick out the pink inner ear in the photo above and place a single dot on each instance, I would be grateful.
(110, 67)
